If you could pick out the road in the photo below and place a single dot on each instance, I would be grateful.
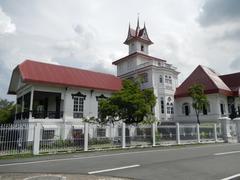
(216, 161)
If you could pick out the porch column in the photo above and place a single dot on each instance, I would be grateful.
(225, 126)
(22, 108)
(237, 121)
(31, 103)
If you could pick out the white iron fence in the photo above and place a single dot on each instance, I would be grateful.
(38, 138)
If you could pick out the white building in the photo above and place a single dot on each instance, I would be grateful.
(58, 97)
(222, 93)
(155, 72)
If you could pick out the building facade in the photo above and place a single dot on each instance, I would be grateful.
(222, 93)
(155, 73)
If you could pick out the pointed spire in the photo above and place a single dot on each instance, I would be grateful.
(138, 27)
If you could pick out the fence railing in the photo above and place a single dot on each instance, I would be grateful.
(41, 138)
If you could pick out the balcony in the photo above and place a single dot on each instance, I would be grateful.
(40, 115)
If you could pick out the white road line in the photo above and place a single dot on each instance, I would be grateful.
(231, 177)
(113, 169)
(224, 153)
(109, 155)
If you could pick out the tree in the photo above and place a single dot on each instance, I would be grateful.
(7, 111)
(200, 101)
(131, 104)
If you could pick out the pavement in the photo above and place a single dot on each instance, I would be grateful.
(215, 161)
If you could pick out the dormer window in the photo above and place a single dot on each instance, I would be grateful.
(142, 47)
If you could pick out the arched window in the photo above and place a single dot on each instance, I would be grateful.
(168, 79)
(186, 109)
(170, 106)
(160, 79)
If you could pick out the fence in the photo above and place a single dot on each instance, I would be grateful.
(38, 138)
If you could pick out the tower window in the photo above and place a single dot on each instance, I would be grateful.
(160, 79)
(162, 105)
(142, 47)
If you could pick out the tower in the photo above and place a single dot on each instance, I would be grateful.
(156, 73)
(137, 39)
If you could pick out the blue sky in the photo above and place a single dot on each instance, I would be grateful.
(90, 33)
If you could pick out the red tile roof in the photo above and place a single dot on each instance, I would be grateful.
(208, 78)
(38, 72)
(232, 81)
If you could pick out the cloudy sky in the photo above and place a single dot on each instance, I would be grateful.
(90, 33)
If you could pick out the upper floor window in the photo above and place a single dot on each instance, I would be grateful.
(160, 79)
(142, 47)
(186, 109)
(168, 79)
(144, 77)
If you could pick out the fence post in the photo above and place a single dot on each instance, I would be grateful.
(225, 126)
(154, 134)
(36, 139)
(198, 134)
(237, 121)
(215, 133)
(178, 133)
(85, 136)
(123, 135)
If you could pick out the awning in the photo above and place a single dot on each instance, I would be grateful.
(50, 126)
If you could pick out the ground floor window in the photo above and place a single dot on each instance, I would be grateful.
(101, 132)
(222, 108)
(206, 109)
(186, 109)
(48, 134)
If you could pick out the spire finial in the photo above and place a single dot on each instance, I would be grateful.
(138, 19)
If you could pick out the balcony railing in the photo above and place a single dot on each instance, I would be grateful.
(40, 115)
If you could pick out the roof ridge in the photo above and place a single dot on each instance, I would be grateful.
(212, 79)
(64, 66)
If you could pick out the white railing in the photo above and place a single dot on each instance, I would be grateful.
(38, 138)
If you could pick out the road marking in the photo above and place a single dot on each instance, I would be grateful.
(110, 155)
(114, 169)
(231, 177)
(224, 153)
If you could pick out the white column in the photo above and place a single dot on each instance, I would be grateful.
(31, 103)
(16, 109)
(237, 121)
(178, 133)
(22, 109)
(215, 132)
(85, 136)
(36, 139)
(198, 133)
(154, 134)
(123, 135)
(225, 126)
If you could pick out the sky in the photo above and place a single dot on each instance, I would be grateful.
(89, 34)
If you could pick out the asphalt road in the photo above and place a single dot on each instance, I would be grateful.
(196, 162)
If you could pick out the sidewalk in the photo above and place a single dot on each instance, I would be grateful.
(43, 176)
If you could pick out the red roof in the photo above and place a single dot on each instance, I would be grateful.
(38, 72)
(232, 81)
(208, 78)
(136, 54)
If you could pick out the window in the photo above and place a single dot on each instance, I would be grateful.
(168, 79)
(99, 98)
(48, 134)
(186, 109)
(142, 47)
(101, 132)
(170, 106)
(222, 108)
(162, 105)
(206, 109)
(160, 79)
(144, 77)
(78, 107)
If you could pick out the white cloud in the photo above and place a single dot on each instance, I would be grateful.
(6, 25)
